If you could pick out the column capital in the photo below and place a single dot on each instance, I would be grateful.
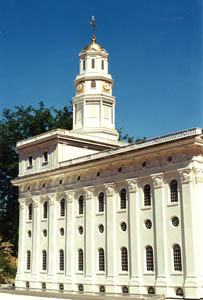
(36, 201)
(21, 203)
(69, 196)
(186, 175)
(52, 198)
(110, 189)
(88, 193)
(132, 185)
(158, 180)
(198, 174)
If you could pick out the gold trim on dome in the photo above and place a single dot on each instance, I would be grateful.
(80, 87)
(106, 87)
(94, 46)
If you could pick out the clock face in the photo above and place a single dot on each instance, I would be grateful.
(79, 87)
(106, 86)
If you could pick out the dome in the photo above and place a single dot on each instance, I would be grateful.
(93, 46)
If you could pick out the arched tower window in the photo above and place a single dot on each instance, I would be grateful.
(101, 260)
(28, 260)
(101, 202)
(61, 260)
(45, 210)
(177, 261)
(149, 259)
(174, 190)
(93, 63)
(147, 195)
(124, 259)
(83, 65)
(30, 211)
(80, 260)
(123, 199)
(44, 260)
(62, 208)
(80, 205)
(102, 64)
(93, 83)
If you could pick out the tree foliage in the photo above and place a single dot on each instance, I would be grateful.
(8, 262)
(17, 125)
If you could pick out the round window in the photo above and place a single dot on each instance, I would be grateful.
(80, 229)
(101, 228)
(123, 226)
(29, 233)
(148, 224)
(175, 221)
(44, 232)
(61, 231)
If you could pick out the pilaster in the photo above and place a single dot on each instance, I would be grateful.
(36, 236)
(52, 255)
(69, 244)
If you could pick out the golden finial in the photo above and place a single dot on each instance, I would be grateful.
(93, 27)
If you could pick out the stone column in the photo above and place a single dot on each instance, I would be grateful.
(88, 251)
(160, 246)
(35, 255)
(189, 247)
(133, 232)
(69, 245)
(110, 233)
(21, 240)
(52, 255)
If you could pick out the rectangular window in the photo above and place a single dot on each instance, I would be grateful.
(30, 161)
(45, 157)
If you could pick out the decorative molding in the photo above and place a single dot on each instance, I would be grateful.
(132, 185)
(88, 193)
(69, 196)
(186, 175)
(157, 180)
(198, 174)
(36, 201)
(110, 189)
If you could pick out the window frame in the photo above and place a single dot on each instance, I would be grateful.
(123, 199)
(124, 259)
(101, 260)
(174, 197)
(149, 259)
(147, 195)
(61, 260)
(177, 258)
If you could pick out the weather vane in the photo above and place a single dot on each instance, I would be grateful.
(93, 28)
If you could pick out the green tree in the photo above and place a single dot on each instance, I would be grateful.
(17, 125)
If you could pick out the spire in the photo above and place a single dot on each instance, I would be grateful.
(93, 29)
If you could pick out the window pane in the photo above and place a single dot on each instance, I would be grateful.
(80, 205)
(174, 191)
(45, 210)
(80, 260)
(61, 260)
(124, 259)
(147, 195)
(149, 259)
(101, 202)
(62, 208)
(177, 258)
(123, 199)
(101, 260)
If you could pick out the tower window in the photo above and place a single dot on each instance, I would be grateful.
(93, 83)
(30, 212)
(93, 63)
(124, 259)
(177, 258)
(102, 64)
(123, 199)
(28, 259)
(83, 64)
(101, 260)
(174, 190)
(44, 260)
(45, 157)
(147, 195)
(101, 202)
(62, 208)
(30, 161)
(80, 260)
(149, 259)
(80, 205)
(45, 210)
(61, 260)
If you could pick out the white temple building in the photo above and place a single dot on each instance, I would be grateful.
(99, 215)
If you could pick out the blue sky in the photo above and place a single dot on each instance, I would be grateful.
(155, 49)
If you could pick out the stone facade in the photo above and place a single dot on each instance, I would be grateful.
(97, 215)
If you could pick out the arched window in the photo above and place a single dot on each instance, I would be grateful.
(149, 259)
(61, 260)
(45, 210)
(93, 63)
(177, 262)
(30, 211)
(101, 260)
(80, 205)
(174, 190)
(28, 259)
(102, 64)
(123, 199)
(147, 195)
(124, 259)
(44, 260)
(83, 62)
(101, 202)
(93, 83)
(179, 292)
(62, 208)
(80, 260)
